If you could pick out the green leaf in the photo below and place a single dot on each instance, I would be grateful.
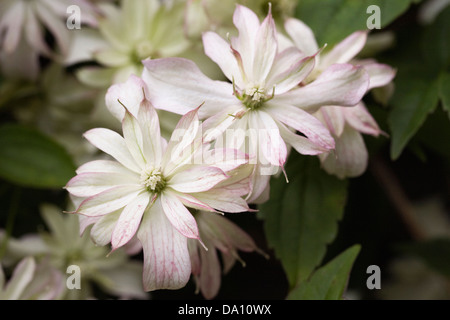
(330, 281)
(435, 253)
(31, 159)
(302, 216)
(333, 20)
(415, 97)
(444, 92)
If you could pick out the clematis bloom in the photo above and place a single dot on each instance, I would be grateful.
(148, 190)
(263, 99)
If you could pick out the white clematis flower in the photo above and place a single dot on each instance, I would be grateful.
(148, 189)
(263, 101)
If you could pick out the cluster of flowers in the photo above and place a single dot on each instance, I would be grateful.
(169, 196)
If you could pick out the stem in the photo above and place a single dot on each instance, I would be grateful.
(389, 182)
(10, 220)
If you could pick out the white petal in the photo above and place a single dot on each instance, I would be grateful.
(129, 220)
(21, 277)
(166, 257)
(345, 50)
(196, 179)
(302, 36)
(109, 200)
(177, 85)
(102, 230)
(361, 120)
(133, 137)
(180, 217)
(301, 144)
(113, 144)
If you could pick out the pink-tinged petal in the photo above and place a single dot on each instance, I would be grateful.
(219, 51)
(301, 144)
(129, 94)
(196, 179)
(210, 274)
(380, 74)
(34, 34)
(106, 166)
(222, 200)
(151, 134)
(57, 28)
(11, 27)
(339, 84)
(259, 183)
(265, 50)
(247, 23)
(184, 142)
(177, 85)
(302, 36)
(361, 120)
(113, 144)
(345, 50)
(133, 137)
(192, 202)
(270, 143)
(289, 70)
(166, 257)
(110, 200)
(129, 220)
(91, 183)
(102, 229)
(303, 122)
(333, 118)
(180, 217)
(21, 277)
(215, 126)
(350, 156)
(225, 159)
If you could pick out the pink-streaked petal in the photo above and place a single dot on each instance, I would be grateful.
(210, 274)
(380, 74)
(289, 70)
(128, 95)
(333, 118)
(180, 217)
(345, 50)
(265, 50)
(177, 85)
(86, 221)
(151, 133)
(350, 156)
(129, 220)
(91, 183)
(259, 183)
(339, 84)
(102, 229)
(219, 51)
(247, 23)
(302, 144)
(166, 257)
(11, 26)
(216, 125)
(109, 200)
(197, 179)
(221, 200)
(361, 120)
(270, 143)
(113, 144)
(302, 121)
(302, 36)
(192, 202)
(225, 159)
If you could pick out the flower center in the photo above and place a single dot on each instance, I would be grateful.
(254, 97)
(152, 179)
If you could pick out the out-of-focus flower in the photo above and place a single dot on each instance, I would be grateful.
(264, 100)
(430, 10)
(31, 281)
(217, 232)
(22, 33)
(349, 159)
(137, 30)
(63, 246)
(147, 190)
